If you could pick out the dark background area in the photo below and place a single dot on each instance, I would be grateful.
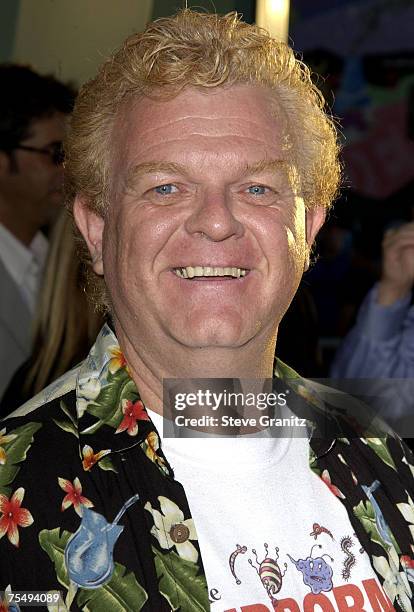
(362, 54)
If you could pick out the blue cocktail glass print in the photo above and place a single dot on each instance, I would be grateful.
(89, 552)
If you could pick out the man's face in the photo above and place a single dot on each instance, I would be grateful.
(32, 184)
(200, 186)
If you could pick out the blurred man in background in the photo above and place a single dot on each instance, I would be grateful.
(33, 111)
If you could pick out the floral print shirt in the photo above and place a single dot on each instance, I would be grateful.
(89, 505)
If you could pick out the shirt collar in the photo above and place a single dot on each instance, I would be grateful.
(112, 417)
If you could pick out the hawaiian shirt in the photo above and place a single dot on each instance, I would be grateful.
(89, 505)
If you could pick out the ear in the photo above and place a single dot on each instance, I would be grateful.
(315, 218)
(91, 226)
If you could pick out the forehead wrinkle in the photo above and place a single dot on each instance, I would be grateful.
(139, 170)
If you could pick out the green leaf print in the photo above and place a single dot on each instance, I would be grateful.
(121, 594)
(66, 426)
(313, 461)
(106, 464)
(70, 425)
(179, 583)
(68, 413)
(16, 452)
(379, 446)
(108, 405)
(54, 545)
(365, 513)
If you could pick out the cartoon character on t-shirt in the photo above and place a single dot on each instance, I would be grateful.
(316, 573)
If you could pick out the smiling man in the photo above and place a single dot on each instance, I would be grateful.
(200, 165)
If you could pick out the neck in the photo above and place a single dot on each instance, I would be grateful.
(149, 365)
(19, 227)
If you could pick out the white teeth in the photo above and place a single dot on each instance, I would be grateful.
(197, 271)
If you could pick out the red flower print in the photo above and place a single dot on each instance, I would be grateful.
(133, 412)
(13, 516)
(327, 480)
(407, 562)
(73, 495)
(90, 458)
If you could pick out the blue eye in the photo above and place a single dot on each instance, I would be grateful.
(257, 190)
(166, 189)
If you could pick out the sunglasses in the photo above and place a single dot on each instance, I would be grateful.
(54, 151)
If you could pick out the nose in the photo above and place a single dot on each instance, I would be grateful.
(214, 218)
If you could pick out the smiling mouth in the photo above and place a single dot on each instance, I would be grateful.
(190, 272)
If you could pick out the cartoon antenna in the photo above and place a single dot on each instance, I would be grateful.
(240, 550)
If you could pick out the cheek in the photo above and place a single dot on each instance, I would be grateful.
(133, 244)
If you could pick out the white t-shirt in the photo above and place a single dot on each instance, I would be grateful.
(271, 533)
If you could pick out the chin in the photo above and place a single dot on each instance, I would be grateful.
(213, 332)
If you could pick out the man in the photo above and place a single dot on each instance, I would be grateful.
(33, 111)
(200, 165)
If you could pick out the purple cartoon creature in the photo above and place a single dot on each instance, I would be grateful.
(316, 573)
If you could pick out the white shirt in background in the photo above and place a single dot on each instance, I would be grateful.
(25, 265)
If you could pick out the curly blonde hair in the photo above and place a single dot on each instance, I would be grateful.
(192, 49)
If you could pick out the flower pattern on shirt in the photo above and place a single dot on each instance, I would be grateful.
(14, 516)
(3, 441)
(327, 480)
(171, 530)
(395, 582)
(117, 359)
(155, 560)
(133, 412)
(73, 495)
(90, 458)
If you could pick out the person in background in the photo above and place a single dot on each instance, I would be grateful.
(381, 344)
(33, 112)
(66, 322)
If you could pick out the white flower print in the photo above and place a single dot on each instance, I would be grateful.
(171, 529)
(407, 510)
(395, 584)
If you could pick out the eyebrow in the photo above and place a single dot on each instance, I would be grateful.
(265, 165)
(139, 170)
